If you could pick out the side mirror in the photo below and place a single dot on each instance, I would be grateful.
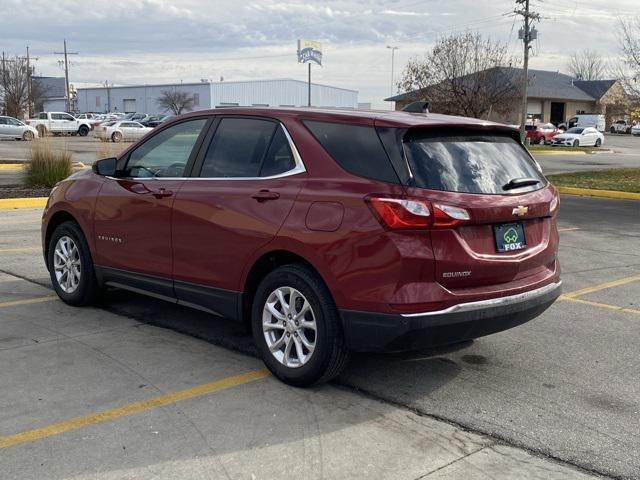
(105, 167)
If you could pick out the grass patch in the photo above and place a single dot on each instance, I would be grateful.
(620, 179)
(47, 166)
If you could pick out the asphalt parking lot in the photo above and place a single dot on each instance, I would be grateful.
(138, 388)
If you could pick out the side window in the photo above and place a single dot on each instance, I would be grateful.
(279, 158)
(356, 148)
(3, 121)
(56, 116)
(167, 153)
(68, 118)
(42, 116)
(238, 148)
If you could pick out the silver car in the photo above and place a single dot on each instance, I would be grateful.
(13, 128)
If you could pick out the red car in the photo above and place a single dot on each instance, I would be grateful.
(541, 134)
(327, 231)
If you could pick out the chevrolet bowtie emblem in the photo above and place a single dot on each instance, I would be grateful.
(520, 211)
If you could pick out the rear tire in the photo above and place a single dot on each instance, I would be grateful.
(68, 257)
(27, 136)
(116, 137)
(301, 367)
(613, 130)
(42, 130)
(83, 131)
(598, 143)
(541, 141)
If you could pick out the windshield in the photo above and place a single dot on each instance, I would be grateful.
(575, 130)
(470, 163)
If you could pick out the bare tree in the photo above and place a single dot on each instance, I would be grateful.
(629, 39)
(175, 101)
(587, 65)
(14, 80)
(464, 75)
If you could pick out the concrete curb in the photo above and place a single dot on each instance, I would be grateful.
(551, 152)
(31, 202)
(589, 192)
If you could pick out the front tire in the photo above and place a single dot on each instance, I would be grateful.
(598, 143)
(27, 136)
(576, 143)
(71, 266)
(296, 327)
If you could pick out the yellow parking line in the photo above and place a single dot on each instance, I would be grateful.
(31, 202)
(600, 305)
(20, 249)
(131, 408)
(28, 301)
(12, 166)
(602, 286)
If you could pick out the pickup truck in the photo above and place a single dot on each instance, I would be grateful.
(59, 123)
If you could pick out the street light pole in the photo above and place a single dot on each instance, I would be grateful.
(393, 51)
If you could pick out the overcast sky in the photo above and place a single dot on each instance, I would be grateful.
(159, 41)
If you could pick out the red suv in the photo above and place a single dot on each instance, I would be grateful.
(327, 231)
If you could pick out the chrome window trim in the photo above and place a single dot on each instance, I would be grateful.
(493, 302)
(298, 168)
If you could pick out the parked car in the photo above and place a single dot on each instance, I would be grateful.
(325, 230)
(121, 131)
(579, 137)
(541, 134)
(620, 126)
(60, 123)
(13, 128)
(584, 120)
(635, 130)
(156, 120)
(135, 117)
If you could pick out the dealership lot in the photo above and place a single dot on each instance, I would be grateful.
(140, 388)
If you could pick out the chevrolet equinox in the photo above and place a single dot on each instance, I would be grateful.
(326, 231)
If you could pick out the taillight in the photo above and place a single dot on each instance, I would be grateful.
(415, 213)
(555, 203)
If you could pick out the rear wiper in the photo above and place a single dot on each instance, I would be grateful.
(520, 182)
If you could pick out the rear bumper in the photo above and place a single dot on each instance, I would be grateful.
(370, 331)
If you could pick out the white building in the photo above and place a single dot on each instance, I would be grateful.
(282, 92)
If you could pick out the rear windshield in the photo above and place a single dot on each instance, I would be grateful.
(470, 163)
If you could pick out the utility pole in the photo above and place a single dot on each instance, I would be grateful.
(66, 72)
(393, 51)
(526, 34)
(29, 91)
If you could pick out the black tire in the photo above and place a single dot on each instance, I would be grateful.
(613, 130)
(330, 355)
(83, 131)
(116, 137)
(27, 136)
(42, 130)
(542, 141)
(598, 143)
(88, 289)
(576, 143)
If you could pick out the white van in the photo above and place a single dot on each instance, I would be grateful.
(584, 120)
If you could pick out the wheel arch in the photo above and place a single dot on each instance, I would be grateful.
(260, 268)
(57, 219)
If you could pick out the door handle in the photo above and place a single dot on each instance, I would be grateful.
(161, 193)
(264, 195)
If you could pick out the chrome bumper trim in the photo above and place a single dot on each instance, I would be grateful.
(493, 302)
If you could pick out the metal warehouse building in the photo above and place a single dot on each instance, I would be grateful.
(282, 92)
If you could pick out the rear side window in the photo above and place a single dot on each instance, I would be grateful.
(279, 158)
(356, 148)
(238, 148)
(470, 163)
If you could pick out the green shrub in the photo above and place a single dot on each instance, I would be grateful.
(47, 166)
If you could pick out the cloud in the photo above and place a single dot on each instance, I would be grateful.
(130, 41)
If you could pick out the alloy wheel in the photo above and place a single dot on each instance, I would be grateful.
(67, 264)
(289, 327)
